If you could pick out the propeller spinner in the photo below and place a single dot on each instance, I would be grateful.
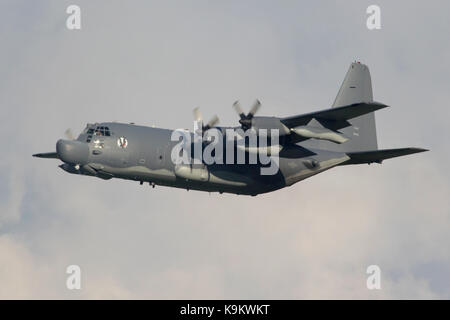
(62, 149)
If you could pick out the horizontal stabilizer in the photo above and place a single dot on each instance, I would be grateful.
(379, 155)
(338, 114)
(47, 155)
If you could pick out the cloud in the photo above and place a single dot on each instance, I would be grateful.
(18, 274)
(14, 193)
(152, 63)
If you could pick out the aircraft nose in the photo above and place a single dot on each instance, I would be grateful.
(72, 151)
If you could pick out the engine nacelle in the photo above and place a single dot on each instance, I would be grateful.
(269, 123)
(320, 133)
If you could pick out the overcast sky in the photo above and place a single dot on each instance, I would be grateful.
(152, 63)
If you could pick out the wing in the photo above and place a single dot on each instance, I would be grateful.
(334, 118)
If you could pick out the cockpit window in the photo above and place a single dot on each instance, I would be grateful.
(102, 131)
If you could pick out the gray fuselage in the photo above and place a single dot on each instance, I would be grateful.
(143, 154)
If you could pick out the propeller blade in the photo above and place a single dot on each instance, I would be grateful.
(199, 118)
(254, 108)
(239, 111)
(212, 122)
(69, 134)
(198, 115)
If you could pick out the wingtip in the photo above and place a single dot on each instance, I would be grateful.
(380, 105)
(420, 149)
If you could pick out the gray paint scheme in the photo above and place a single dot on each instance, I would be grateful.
(147, 155)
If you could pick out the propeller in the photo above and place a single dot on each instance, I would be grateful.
(246, 119)
(69, 134)
(54, 155)
(199, 118)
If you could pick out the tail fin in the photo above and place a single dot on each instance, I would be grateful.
(356, 88)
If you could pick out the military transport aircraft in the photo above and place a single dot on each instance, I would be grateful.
(308, 144)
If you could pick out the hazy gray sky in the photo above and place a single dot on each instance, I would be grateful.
(152, 63)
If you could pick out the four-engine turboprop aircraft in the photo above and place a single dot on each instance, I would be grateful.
(308, 144)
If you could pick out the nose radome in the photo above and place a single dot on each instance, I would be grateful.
(72, 151)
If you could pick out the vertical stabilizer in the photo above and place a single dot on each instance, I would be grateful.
(357, 87)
